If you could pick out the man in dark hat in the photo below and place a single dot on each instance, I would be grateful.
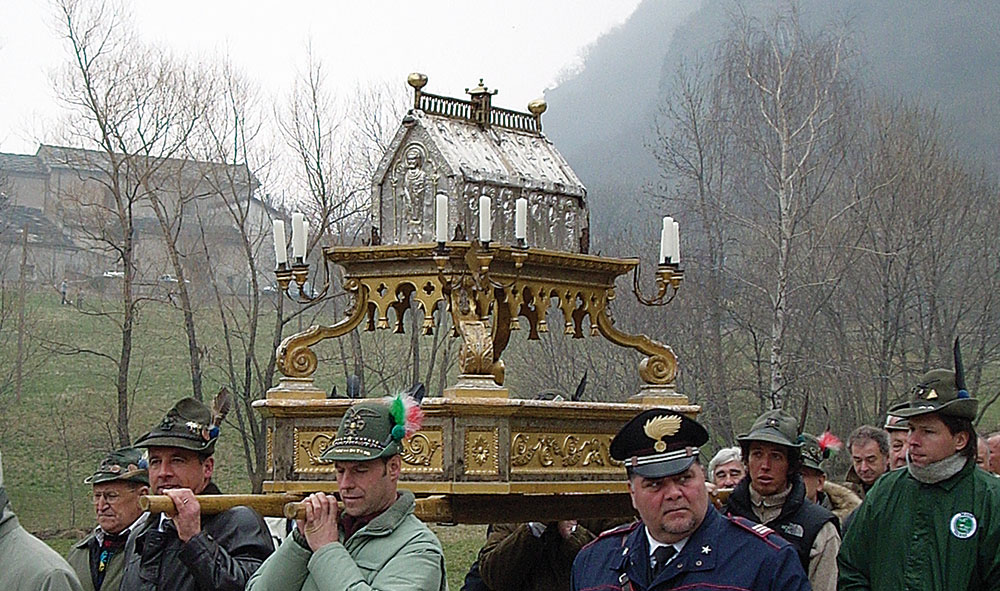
(27, 563)
(836, 498)
(898, 429)
(99, 558)
(682, 541)
(375, 541)
(773, 494)
(936, 521)
(189, 551)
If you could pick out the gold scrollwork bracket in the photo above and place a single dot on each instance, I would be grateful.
(296, 359)
(659, 368)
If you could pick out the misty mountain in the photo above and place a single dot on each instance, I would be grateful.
(942, 55)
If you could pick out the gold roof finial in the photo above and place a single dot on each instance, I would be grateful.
(537, 107)
(417, 80)
(481, 89)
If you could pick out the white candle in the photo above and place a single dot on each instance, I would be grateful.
(521, 219)
(677, 243)
(298, 236)
(665, 240)
(305, 236)
(441, 214)
(485, 221)
(280, 252)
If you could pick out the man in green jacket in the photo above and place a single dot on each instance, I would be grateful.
(375, 541)
(936, 524)
(27, 563)
(99, 558)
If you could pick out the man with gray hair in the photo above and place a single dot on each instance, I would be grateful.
(27, 563)
(726, 468)
(869, 449)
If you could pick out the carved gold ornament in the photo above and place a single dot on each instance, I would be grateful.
(534, 452)
(659, 427)
(482, 452)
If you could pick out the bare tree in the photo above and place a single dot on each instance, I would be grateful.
(129, 113)
(792, 94)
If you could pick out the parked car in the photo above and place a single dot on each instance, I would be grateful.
(114, 274)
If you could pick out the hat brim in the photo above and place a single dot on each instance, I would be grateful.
(147, 441)
(664, 468)
(357, 453)
(769, 435)
(959, 407)
(139, 476)
(813, 466)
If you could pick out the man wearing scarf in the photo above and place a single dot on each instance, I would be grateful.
(99, 558)
(936, 524)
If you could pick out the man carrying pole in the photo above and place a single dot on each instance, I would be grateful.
(376, 542)
(189, 551)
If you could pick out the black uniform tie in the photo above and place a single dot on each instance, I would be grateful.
(661, 556)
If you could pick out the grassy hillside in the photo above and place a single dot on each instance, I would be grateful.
(56, 434)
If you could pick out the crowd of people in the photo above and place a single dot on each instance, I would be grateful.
(914, 511)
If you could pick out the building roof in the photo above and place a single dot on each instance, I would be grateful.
(41, 230)
(20, 164)
(97, 161)
(481, 143)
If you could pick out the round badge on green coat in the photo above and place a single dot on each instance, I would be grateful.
(963, 525)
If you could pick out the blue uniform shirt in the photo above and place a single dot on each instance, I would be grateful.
(723, 553)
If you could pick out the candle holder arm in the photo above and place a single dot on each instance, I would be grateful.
(296, 359)
(659, 368)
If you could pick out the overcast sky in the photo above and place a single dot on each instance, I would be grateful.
(520, 47)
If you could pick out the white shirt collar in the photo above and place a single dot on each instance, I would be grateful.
(654, 544)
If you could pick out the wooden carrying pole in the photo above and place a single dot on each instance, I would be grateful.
(433, 509)
(470, 509)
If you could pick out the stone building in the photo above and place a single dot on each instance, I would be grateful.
(63, 197)
(466, 149)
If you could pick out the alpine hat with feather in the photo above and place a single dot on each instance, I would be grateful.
(126, 464)
(375, 428)
(942, 391)
(658, 443)
(189, 425)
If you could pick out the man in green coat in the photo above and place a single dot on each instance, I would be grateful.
(936, 524)
(375, 542)
(99, 558)
(27, 563)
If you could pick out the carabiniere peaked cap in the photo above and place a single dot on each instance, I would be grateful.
(774, 426)
(658, 443)
(188, 425)
(365, 433)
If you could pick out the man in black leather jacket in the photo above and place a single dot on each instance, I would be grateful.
(190, 551)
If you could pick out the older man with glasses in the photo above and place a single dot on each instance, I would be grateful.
(99, 558)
